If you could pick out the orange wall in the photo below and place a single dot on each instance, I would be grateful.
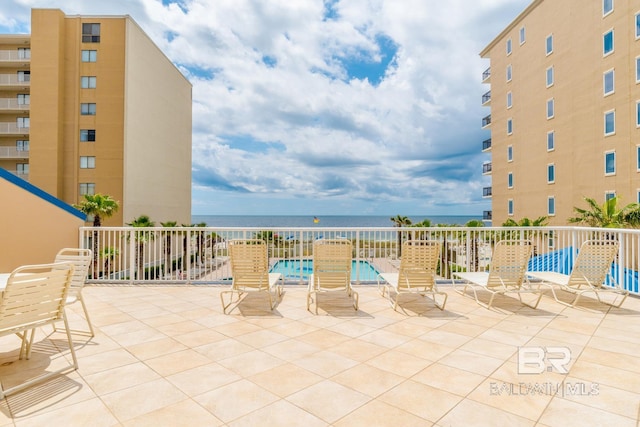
(32, 230)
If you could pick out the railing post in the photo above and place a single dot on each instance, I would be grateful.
(132, 255)
(357, 257)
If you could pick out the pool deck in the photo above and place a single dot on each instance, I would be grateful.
(167, 356)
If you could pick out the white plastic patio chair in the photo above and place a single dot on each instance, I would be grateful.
(81, 259)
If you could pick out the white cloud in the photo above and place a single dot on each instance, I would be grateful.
(277, 117)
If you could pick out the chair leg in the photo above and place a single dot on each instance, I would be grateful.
(86, 314)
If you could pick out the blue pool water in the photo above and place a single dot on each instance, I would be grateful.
(292, 269)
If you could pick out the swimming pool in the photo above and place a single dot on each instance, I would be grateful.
(291, 269)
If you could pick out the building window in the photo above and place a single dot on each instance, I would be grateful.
(607, 43)
(510, 207)
(510, 180)
(88, 82)
(87, 188)
(638, 69)
(608, 82)
(550, 108)
(89, 55)
(22, 168)
(24, 99)
(510, 154)
(88, 109)
(509, 74)
(609, 123)
(87, 162)
(608, 195)
(551, 206)
(550, 76)
(551, 173)
(509, 99)
(87, 135)
(607, 7)
(637, 113)
(637, 25)
(22, 145)
(24, 53)
(522, 35)
(509, 126)
(610, 163)
(638, 196)
(551, 141)
(549, 45)
(24, 76)
(508, 46)
(23, 122)
(90, 33)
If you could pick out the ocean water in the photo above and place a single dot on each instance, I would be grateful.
(323, 221)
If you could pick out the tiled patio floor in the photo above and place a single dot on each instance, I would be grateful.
(167, 356)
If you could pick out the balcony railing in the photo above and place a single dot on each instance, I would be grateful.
(13, 153)
(486, 98)
(487, 215)
(15, 55)
(198, 255)
(486, 168)
(15, 80)
(486, 75)
(486, 144)
(486, 192)
(11, 128)
(486, 121)
(12, 104)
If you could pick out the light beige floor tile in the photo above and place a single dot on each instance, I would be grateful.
(251, 363)
(237, 328)
(618, 378)
(180, 328)
(294, 329)
(449, 379)
(608, 344)
(285, 379)
(358, 350)
(124, 327)
(351, 329)
(472, 362)
(104, 361)
(141, 335)
(172, 363)
(490, 348)
(262, 338)
(203, 378)
(399, 363)
(380, 414)
(328, 400)
(470, 413)
(613, 360)
(425, 349)
(198, 338)
(142, 399)
(325, 363)
(163, 317)
(235, 400)
(445, 338)
(184, 413)
(421, 400)
(385, 339)
(291, 350)
(463, 328)
(507, 338)
(601, 396)
(279, 414)
(151, 349)
(527, 400)
(563, 336)
(222, 349)
(323, 338)
(119, 378)
(368, 379)
(89, 412)
(565, 413)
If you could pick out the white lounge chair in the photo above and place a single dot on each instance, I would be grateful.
(35, 296)
(506, 273)
(589, 273)
(416, 274)
(331, 270)
(81, 259)
(250, 271)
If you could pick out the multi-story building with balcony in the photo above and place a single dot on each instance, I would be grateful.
(89, 104)
(565, 109)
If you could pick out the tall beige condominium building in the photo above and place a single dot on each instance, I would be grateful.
(89, 104)
(565, 108)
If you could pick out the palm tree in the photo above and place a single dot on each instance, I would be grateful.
(607, 215)
(167, 246)
(108, 254)
(200, 243)
(541, 221)
(99, 206)
(400, 221)
(473, 252)
(141, 238)
(425, 223)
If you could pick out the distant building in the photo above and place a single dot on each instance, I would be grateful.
(89, 104)
(565, 109)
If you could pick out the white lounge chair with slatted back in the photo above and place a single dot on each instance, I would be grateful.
(589, 273)
(81, 259)
(250, 271)
(417, 273)
(35, 296)
(331, 270)
(506, 273)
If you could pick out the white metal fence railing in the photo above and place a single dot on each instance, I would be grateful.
(198, 255)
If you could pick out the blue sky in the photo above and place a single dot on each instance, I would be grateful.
(324, 107)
